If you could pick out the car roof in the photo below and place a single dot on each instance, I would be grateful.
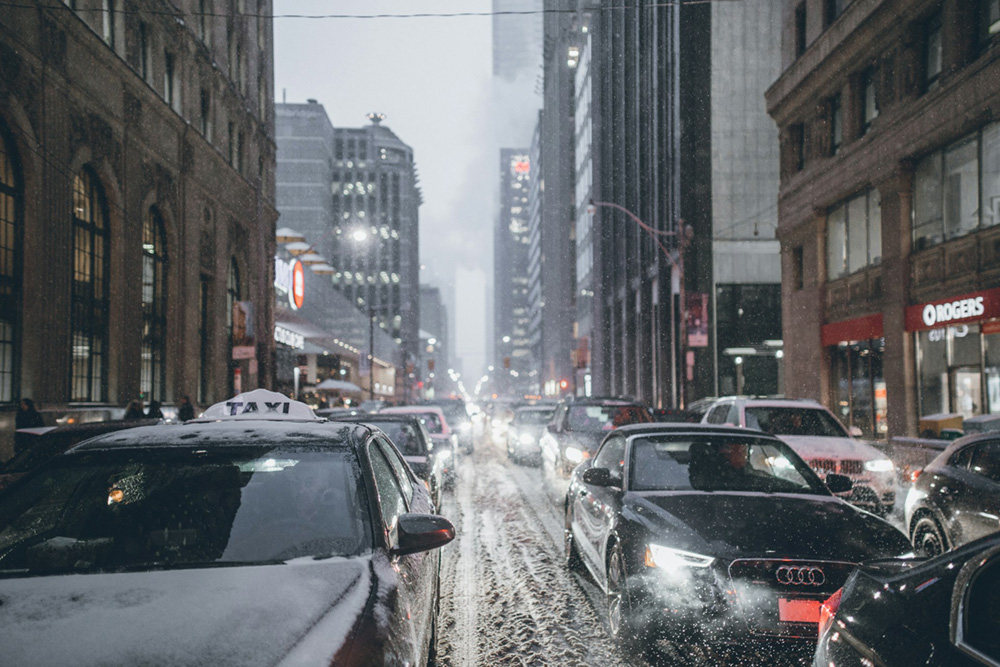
(372, 417)
(772, 401)
(970, 439)
(535, 408)
(687, 427)
(605, 400)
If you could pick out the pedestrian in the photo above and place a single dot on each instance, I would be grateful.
(186, 410)
(134, 410)
(154, 411)
(27, 417)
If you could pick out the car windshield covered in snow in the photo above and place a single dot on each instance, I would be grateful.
(167, 507)
(718, 463)
(794, 421)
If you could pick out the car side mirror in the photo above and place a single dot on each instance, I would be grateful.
(855, 431)
(421, 532)
(838, 483)
(597, 477)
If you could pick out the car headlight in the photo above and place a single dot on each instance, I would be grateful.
(672, 560)
(444, 453)
(879, 465)
(575, 454)
(526, 439)
(464, 427)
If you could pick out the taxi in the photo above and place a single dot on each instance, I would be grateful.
(254, 535)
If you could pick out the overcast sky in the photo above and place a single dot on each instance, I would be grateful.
(431, 77)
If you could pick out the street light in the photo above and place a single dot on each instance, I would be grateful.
(682, 235)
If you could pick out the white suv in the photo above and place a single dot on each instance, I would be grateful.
(817, 436)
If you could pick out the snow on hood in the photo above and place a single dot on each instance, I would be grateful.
(824, 447)
(240, 616)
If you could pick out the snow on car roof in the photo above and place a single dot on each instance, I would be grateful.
(227, 433)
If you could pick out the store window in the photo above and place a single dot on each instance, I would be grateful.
(90, 294)
(854, 235)
(859, 385)
(10, 268)
(957, 190)
(957, 370)
(152, 381)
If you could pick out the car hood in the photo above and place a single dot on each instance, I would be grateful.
(297, 613)
(816, 446)
(732, 525)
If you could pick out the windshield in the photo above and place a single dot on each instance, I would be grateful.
(718, 463)
(532, 417)
(605, 417)
(156, 509)
(405, 436)
(794, 421)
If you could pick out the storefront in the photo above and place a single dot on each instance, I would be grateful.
(958, 353)
(856, 350)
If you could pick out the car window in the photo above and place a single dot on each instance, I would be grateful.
(401, 469)
(405, 436)
(980, 618)
(612, 457)
(794, 421)
(717, 415)
(532, 417)
(716, 463)
(163, 508)
(605, 417)
(986, 461)
(390, 496)
(961, 458)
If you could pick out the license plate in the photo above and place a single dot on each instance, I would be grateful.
(798, 611)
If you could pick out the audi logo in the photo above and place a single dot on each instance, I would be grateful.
(795, 575)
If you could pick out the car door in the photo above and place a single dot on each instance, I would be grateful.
(599, 505)
(979, 500)
(408, 597)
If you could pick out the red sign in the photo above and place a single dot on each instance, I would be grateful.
(697, 319)
(522, 167)
(298, 293)
(963, 309)
(860, 328)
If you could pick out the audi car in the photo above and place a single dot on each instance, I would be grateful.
(717, 532)
(257, 534)
(956, 497)
(937, 612)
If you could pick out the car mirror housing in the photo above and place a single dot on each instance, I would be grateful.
(838, 483)
(422, 532)
(597, 477)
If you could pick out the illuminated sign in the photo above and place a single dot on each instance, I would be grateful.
(289, 338)
(522, 167)
(965, 308)
(290, 279)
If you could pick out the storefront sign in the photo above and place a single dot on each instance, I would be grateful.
(964, 309)
(289, 338)
(290, 279)
(859, 328)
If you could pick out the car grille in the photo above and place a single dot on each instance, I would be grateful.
(758, 584)
(843, 467)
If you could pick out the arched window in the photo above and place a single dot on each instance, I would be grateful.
(232, 299)
(10, 268)
(152, 381)
(90, 300)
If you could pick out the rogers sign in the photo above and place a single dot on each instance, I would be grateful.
(962, 309)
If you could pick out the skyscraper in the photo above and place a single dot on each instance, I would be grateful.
(517, 38)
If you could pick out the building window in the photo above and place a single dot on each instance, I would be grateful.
(836, 124)
(797, 136)
(989, 20)
(240, 147)
(144, 64)
(169, 80)
(233, 297)
(204, 22)
(206, 115)
(152, 382)
(90, 294)
(869, 105)
(933, 52)
(232, 144)
(800, 29)
(261, 24)
(859, 385)
(10, 268)
(203, 350)
(951, 195)
(854, 235)
(957, 370)
(832, 9)
(798, 268)
(108, 21)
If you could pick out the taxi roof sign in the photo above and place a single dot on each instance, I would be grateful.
(260, 404)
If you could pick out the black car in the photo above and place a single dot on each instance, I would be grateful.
(44, 442)
(956, 497)
(578, 426)
(255, 535)
(525, 432)
(413, 441)
(940, 611)
(717, 532)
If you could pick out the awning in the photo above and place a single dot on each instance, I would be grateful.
(337, 385)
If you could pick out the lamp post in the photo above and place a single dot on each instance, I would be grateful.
(678, 345)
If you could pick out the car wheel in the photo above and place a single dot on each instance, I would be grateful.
(573, 561)
(621, 622)
(928, 538)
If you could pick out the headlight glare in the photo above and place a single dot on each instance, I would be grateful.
(879, 465)
(574, 455)
(672, 560)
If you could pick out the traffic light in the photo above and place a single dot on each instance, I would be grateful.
(564, 384)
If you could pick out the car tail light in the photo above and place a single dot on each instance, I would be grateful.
(914, 474)
(828, 610)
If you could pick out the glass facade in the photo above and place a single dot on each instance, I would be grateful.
(10, 270)
(958, 369)
(152, 382)
(854, 235)
(859, 389)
